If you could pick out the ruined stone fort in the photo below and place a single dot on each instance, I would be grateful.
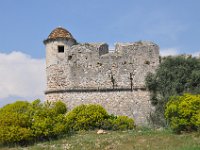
(87, 73)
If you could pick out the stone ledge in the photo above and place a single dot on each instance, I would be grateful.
(94, 90)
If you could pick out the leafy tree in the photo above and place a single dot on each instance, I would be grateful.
(174, 76)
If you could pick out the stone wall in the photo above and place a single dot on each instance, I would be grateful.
(134, 103)
(88, 73)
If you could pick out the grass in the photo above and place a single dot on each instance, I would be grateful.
(143, 139)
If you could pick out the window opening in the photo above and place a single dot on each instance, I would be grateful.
(60, 49)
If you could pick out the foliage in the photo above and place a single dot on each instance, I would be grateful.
(174, 76)
(118, 123)
(21, 122)
(183, 112)
(48, 120)
(14, 134)
(107, 124)
(122, 123)
(15, 122)
(85, 117)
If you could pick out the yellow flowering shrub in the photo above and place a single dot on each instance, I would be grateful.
(183, 112)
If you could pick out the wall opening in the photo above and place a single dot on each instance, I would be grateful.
(60, 49)
(69, 57)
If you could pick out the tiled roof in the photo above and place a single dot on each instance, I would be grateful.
(60, 33)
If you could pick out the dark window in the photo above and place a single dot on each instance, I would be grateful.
(69, 57)
(60, 49)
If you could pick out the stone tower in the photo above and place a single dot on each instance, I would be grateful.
(58, 41)
(83, 73)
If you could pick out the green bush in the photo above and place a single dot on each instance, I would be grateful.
(183, 112)
(14, 134)
(21, 122)
(15, 123)
(123, 123)
(118, 123)
(85, 117)
(59, 107)
(107, 124)
(48, 120)
(24, 122)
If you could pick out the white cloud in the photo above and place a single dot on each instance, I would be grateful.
(175, 51)
(196, 54)
(169, 51)
(21, 76)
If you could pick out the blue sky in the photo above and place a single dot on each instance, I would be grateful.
(172, 24)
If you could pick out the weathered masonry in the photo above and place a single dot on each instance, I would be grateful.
(89, 73)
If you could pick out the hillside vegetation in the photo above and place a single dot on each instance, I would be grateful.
(25, 123)
(175, 76)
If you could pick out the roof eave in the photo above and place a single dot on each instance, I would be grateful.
(58, 38)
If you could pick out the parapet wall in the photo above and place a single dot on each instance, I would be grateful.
(90, 66)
